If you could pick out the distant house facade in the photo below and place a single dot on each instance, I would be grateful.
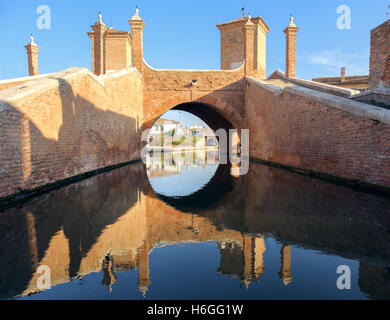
(164, 126)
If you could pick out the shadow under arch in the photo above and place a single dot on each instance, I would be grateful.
(216, 111)
(208, 197)
(208, 114)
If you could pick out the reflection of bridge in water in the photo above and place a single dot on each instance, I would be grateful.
(111, 223)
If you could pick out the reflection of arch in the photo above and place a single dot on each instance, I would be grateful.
(212, 108)
(221, 184)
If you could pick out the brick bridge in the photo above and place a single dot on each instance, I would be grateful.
(68, 124)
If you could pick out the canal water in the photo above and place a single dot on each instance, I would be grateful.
(182, 227)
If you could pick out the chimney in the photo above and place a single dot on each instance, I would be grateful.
(342, 75)
(291, 39)
(32, 55)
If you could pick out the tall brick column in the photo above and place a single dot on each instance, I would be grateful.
(137, 26)
(249, 32)
(98, 46)
(32, 55)
(291, 39)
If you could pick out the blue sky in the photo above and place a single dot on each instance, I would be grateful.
(183, 34)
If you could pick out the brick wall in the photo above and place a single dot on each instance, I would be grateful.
(118, 51)
(66, 124)
(380, 55)
(318, 132)
(233, 44)
(221, 89)
(232, 48)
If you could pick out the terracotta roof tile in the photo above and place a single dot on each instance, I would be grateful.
(348, 80)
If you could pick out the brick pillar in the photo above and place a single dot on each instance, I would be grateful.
(98, 46)
(137, 26)
(249, 51)
(291, 39)
(32, 55)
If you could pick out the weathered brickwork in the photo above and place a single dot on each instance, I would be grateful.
(235, 47)
(67, 124)
(295, 127)
(380, 55)
(220, 90)
(118, 50)
(32, 57)
(60, 125)
(291, 40)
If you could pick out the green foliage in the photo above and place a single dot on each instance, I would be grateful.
(178, 142)
(162, 139)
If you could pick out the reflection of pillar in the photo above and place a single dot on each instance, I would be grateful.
(254, 248)
(259, 250)
(32, 241)
(235, 170)
(143, 269)
(248, 260)
(285, 271)
(109, 277)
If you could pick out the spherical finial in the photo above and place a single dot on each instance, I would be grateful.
(136, 15)
(100, 21)
(292, 24)
(32, 42)
(249, 22)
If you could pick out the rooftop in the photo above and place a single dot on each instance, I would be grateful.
(255, 20)
(163, 121)
(348, 80)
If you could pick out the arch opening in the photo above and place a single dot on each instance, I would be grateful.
(184, 175)
(182, 154)
(208, 114)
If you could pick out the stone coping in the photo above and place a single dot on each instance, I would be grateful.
(193, 70)
(50, 81)
(345, 92)
(378, 90)
(23, 79)
(329, 100)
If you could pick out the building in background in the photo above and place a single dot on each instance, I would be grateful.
(360, 83)
(164, 126)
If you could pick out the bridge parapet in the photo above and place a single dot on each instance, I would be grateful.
(318, 133)
(67, 124)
